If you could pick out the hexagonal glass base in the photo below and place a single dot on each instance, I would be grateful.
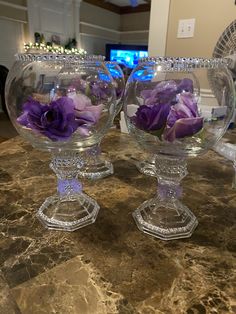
(166, 220)
(97, 170)
(68, 213)
(147, 168)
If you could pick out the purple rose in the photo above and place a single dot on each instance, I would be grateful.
(163, 93)
(86, 114)
(184, 127)
(185, 108)
(151, 118)
(99, 90)
(166, 91)
(185, 85)
(170, 107)
(78, 84)
(81, 101)
(183, 118)
(56, 120)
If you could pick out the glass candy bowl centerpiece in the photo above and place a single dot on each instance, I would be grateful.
(63, 104)
(94, 165)
(166, 116)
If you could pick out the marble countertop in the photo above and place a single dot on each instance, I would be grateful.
(110, 266)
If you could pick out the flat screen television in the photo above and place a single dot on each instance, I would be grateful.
(126, 55)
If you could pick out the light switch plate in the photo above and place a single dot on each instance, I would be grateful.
(186, 28)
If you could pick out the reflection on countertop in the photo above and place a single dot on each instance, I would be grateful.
(110, 266)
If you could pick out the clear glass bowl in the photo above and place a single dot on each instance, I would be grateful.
(119, 82)
(168, 116)
(63, 104)
(46, 78)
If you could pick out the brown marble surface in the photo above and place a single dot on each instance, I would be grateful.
(110, 266)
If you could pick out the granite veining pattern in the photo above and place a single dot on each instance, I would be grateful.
(110, 266)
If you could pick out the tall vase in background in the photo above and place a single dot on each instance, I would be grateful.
(94, 164)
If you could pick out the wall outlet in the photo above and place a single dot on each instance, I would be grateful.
(186, 28)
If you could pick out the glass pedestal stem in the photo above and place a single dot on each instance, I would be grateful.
(65, 166)
(170, 172)
(69, 209)
(94, 167)
(164, 216)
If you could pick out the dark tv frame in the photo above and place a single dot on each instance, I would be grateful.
(109, 47)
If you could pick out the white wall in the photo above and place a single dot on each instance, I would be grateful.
(92, 26)
(98, 27)
(11, 39)
(211, 19)
(95, 45)
(135, 28)
(13, 17)
(158, 27)
(54, 17)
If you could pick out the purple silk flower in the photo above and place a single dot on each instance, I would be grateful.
(153, 114)
(166, 91)
(163, 93)
(170, 107)
(183, 119)
(86, 114)
(78, 84)
(185, 85)
(151, 118)
(99, 90)
(56, 120)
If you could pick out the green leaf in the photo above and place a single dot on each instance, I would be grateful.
(158, 133)
(87, 91)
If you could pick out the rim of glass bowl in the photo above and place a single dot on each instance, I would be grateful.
(111, 62)
(57, 57)
(186, 63)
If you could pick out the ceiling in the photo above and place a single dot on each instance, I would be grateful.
(123, 3)
(121, 6)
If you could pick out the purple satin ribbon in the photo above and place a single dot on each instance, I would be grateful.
(69, 186)
(167, 191)
(96, 150)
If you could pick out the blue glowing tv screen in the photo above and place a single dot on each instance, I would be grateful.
(126, 55)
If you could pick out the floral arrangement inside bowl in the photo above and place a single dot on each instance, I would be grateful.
(63, 116)
(169, 111)
(63, 104)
